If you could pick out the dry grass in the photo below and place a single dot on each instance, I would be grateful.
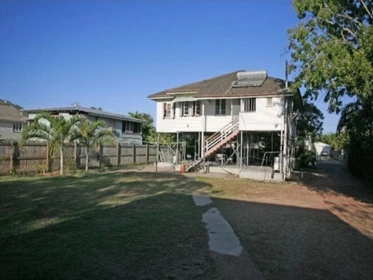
(294, 231)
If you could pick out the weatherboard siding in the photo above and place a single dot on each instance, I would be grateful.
(116, 125)
(265, 118)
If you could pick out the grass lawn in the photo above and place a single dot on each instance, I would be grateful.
(142, 225)
(102, 226)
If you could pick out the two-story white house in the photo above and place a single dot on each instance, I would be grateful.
(250, 108)
(127, 130)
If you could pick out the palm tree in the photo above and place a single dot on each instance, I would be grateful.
(91, 134)
(357, 117)
(55, 129)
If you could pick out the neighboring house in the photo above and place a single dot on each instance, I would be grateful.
(322, 149)
(11, 123)
(127, 130)
(242, 106)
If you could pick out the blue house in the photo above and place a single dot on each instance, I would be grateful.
(127, 130)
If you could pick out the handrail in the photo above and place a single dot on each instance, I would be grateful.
(233, 122)
(222, 134)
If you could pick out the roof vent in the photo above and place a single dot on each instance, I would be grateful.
(250, 79)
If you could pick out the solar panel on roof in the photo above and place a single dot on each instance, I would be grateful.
(250, 79)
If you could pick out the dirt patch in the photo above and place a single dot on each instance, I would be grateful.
(320, 228)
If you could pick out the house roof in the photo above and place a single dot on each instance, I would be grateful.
(89, 111)
(222, 86)
(9, 113)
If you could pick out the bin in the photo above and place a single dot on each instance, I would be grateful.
(182, 168)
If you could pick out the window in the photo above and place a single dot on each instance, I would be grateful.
(136, 127)
(127, 127)
(220, 107)
(184, 109)
(269, 101)
(131, 127)
(17, 127)
(167, 107)
(196, 108)
(250, 105)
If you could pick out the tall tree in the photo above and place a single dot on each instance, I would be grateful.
(309, 121)
(55, 129)
(332, 49)
(148, 129)
(91, 134)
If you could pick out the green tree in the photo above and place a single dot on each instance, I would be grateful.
(309, 121)
(148, 129)
(332, 49)
(55, 129)
(91, 134)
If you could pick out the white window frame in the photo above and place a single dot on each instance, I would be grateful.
(167, 110)
(17, 127)
(185, 109)
(197, 108)
(220, 107)
(269, 101)
(249, 105)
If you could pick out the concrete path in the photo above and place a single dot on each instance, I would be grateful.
(231, 260)
(202, 200)
(222, 238)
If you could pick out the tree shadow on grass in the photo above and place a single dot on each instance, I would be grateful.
(145, 226)
(299, 243)
(104, 226)
(333, 177)
(71, 196)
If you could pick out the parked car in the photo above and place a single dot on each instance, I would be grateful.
(324, 154)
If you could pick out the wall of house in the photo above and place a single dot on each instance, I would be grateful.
(6, 131)
(265, 118)
(116, 125)
(209, 123)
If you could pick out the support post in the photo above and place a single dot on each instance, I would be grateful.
(241, 139)
(203, 145)
(285, 161)
(271, 141)
(157, 159)
(177, 147)
(199, 145)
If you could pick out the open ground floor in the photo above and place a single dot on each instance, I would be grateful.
(248, 154)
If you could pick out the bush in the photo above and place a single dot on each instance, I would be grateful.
(71, 166)
(305, 156)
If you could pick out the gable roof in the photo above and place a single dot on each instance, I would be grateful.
(9, 113)
(89, 111)
(221, 86)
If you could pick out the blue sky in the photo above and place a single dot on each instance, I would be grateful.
(114, 54)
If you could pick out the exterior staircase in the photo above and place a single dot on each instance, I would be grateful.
(216, 141)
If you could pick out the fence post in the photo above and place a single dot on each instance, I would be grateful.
(11, 157)
(100, 156)
(47, 160)
(134, 154)
(118, 154)
(76, 154)
(147, 153)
